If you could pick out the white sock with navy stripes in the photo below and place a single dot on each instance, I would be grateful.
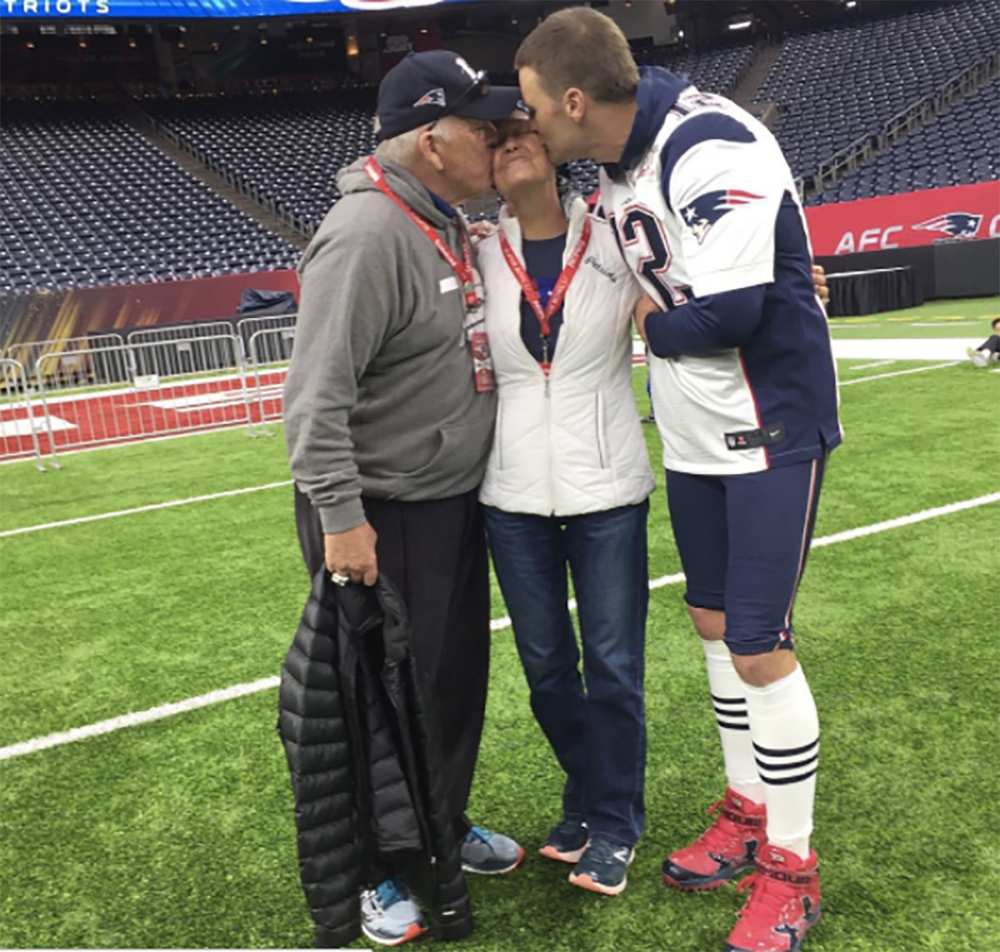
(730, 704)
(784, 728)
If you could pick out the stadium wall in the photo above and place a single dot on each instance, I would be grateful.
(906, 220)
(59, 315)
(948, 269)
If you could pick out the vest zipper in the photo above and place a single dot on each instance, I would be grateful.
(599, 422)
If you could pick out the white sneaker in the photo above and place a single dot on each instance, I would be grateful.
(979, 358)
(389, 916)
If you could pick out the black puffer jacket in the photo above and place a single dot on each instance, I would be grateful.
(358, 737)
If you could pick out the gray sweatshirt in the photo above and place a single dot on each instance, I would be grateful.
(380, 397)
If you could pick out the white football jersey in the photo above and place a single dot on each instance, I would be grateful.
(707, 204)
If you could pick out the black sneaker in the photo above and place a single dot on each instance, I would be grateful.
(566, 842)
(603, 868)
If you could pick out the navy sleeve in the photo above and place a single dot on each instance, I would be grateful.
(707, 324)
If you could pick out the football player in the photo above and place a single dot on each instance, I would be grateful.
(745, 397)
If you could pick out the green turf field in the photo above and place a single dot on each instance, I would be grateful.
(966, 317)
(180, 833)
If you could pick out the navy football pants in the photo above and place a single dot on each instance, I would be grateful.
(743, 542)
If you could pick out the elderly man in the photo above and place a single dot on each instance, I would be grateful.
(389, 409)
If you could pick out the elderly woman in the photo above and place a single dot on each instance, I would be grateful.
(567, 487)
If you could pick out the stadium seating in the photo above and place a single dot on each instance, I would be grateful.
(85, 200)
(715, 71)
(962, 146)
(836, 85)
(289, 147)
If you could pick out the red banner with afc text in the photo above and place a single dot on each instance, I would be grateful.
(901, 221)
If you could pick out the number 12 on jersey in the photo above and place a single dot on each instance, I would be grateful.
(640, 226)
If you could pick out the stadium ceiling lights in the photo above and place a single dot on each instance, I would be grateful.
(741, 24)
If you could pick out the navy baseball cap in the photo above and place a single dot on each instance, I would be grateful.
(425, 87)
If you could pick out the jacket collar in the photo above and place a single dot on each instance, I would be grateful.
(576, 213)
(655, 97)
(407, 186)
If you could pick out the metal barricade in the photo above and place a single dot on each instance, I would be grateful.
(161, 400)
(274, 349)
(191, 348)
(18, 424)
(74, 351)
(268, 376)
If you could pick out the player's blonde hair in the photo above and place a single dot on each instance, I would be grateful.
(582, 49)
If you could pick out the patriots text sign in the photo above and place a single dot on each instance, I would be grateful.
(191, 9)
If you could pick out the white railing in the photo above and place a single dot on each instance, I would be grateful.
(160, 382)
(73, 349)
(19, 425)
(268, 379)
(161, 399)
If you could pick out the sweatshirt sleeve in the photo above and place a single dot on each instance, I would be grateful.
(350, 300)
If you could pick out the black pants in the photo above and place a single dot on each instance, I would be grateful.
(992, 344)
(434, 553)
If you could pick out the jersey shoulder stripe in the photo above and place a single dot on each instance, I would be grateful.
(704, 127)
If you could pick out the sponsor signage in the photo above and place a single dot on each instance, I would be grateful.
(960, 213)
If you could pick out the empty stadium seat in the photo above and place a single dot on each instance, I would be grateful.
(960, 147)
(86, 200)
(287, 148)
(837, 85)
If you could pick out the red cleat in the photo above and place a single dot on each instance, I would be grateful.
(784, 903)
(724, 850)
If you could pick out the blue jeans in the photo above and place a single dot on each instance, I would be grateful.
(596, 724)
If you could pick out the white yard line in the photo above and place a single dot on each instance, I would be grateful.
(236, 424)
(923, 516)
(170, 504)
(943, 323)
(136, 717)
(872, 365)
(899, 373)
(930, 349)
(497, 624)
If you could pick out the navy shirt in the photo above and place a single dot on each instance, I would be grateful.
(544, 263)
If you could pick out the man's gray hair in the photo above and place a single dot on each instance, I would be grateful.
(402, 149)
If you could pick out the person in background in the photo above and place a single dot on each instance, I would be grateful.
(389, 410)
(567, 488)
(988, 352)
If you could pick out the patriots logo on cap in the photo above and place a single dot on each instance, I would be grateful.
(463, 65)
(953, 224)
(433, 97)
(707, 209)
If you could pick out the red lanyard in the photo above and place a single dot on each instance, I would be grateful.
(530, 289)
(462, 268)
